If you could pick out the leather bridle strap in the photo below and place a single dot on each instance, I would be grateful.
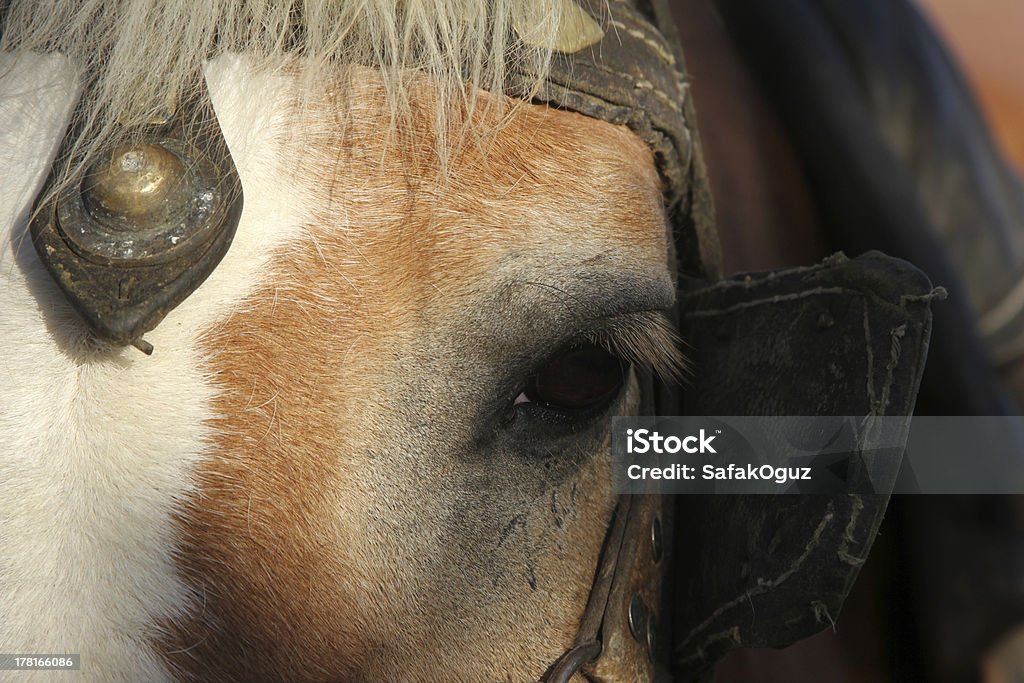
(617, 637)
(587, 646)
(572, 661)
(636, 77)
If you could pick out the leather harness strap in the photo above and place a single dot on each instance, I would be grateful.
(618, 634)
(635, 77)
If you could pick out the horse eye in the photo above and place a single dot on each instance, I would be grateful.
(577, 379)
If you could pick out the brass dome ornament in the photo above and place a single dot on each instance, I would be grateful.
(146, 225)
(134, 180)
(141, 203)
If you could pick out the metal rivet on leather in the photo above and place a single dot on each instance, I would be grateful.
(656, 548)
(638, 618)
(652, 634)
(825, 320)
(577, 29)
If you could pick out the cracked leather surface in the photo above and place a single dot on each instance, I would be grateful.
(846, 337)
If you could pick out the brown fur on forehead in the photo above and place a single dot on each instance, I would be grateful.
(535, 155)
(295, 564)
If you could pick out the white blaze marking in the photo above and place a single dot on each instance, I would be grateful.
(98, 450)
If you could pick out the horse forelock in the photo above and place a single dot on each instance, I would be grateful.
(139, 59)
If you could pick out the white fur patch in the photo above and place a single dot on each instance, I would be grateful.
(98, 447)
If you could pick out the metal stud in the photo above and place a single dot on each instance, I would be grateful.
(134, 182)
(145, 224)
(656, 548)
(638, 619)
(652, 635)
(577, 29)
(143, 204)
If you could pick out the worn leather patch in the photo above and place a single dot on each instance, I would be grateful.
(847, 337)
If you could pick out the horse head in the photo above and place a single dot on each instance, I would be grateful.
(398, 266)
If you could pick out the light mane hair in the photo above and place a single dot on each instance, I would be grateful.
(138, 59)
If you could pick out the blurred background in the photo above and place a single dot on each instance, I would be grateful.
(987, 39)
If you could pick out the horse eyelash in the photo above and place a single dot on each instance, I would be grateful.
(647, 340)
